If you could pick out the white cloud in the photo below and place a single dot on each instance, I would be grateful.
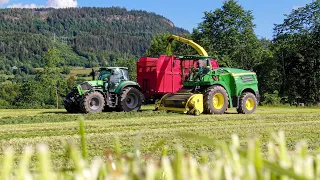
(2, 2)
(50, 3)
(20, 5)
(62, 3)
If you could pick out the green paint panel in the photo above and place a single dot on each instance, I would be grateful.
(125, 83)
(235, 81)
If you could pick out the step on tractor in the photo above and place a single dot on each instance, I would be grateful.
(112, 91)
(212, 91)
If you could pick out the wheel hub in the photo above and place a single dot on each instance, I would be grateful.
(250, 104)
(132, 101)
(94, 104)
(218, 101)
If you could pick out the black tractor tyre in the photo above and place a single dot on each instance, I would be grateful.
(70, 105)
(244, 107)
(209, 98)
(92, 102)
(130, 99)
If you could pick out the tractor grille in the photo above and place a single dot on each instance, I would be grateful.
(247, 79)
(86, 86)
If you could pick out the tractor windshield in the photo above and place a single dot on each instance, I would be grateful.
(104, 74)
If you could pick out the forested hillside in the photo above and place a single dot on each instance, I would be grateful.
(92, 35)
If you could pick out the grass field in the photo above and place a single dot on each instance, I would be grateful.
(151, 129)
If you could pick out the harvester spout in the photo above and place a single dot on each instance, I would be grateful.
(196, 46)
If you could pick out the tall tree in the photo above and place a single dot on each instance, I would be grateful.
(297, 46)
(228, 34)
(51, 76)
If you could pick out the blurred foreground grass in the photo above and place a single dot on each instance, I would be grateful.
(227, 161)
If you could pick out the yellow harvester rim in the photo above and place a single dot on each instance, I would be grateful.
(218, 101)
(250, 104)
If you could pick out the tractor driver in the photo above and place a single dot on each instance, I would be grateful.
(104, 76)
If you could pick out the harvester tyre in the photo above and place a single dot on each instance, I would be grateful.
(70, 104)
(130, 99)
(93, 102)
(216, 100)
(247, 103)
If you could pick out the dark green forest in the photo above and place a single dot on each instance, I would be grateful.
(288, 65)
(93, 36)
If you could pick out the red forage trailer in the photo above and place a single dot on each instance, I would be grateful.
(159, 76)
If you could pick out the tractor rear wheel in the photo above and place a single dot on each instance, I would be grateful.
(93, 102)
(216, 100)
(130, 99)
(70, 104)
(247, 104)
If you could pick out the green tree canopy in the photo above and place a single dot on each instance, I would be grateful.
(228, 34)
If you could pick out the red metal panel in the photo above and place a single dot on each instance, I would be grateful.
(158, 76)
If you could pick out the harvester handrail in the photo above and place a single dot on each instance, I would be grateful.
(196, 46)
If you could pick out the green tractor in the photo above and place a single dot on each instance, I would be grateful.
(213, 91)
(112, 91)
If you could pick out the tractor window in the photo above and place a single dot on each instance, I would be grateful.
(103, 75)
(125, 74)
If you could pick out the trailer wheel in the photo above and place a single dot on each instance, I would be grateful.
(93, 102)
(130, 99)
(69, 103)
(216, 100)
(247, 104)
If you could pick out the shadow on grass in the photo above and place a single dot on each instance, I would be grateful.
(50, 112)
(231, 113)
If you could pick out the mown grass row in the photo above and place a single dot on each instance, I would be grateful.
(226, 161)
(56, 128)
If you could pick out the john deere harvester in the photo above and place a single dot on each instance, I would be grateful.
(111, 91)
(212, 91)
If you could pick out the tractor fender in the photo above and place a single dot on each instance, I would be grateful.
(125, 84)
(251, 90)
(223, 84)
(97, 90)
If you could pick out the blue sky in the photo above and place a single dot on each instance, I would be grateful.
(187, 14)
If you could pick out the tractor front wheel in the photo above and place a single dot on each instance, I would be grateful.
(216, 100)
(93, 102)
(247, 104)
(130, 99)
(70, 105)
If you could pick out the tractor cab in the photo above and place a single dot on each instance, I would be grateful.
(113, 76)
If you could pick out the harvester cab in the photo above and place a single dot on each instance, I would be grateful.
(201, 65)
(212, 91)
(111, 91)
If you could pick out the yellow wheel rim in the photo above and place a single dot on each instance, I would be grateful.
(250, 104)
(218, 101)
